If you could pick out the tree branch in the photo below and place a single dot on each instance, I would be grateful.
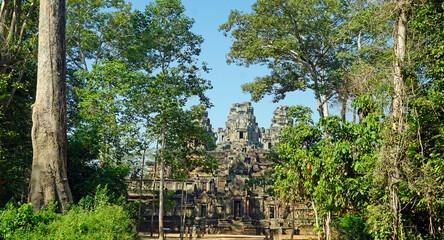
(19, 44)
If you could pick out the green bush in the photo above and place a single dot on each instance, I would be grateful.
(103, 222)
(20, 218)
(351, 227)
(94, 218)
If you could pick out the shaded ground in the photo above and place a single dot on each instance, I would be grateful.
(175, 236)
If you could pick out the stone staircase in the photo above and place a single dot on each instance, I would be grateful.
(237, 227)
(230, 226)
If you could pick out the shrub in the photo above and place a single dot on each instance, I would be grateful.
(94, 218)
(351, 227)
(103, 222)
(19, 218)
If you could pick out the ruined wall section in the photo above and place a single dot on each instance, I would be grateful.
(205, 122)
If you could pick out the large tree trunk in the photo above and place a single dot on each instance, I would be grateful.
(49, 175)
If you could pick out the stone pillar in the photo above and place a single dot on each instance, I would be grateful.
(279, 235)
(245, 213)
(247, 206)
(194, 233)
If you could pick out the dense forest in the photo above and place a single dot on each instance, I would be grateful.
(119, 80)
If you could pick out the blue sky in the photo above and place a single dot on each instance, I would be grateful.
(227, 79)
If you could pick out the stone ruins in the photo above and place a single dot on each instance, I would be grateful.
(237, 197)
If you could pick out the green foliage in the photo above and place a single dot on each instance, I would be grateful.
(296, 150)
(333, 173)
(188, 143)
(424, 202)
(94, 30)
(343, 173)
(168, 201)
(84, 178)
(95, 224)
(163, 36)
(106, 134)
(18, 69)
(84, 175)
(102, 134)
(98, 217)
(122, 105)
(351, 226)
(19, 218)
(105, 103)
(300, 41)
(379, 218)
(166, 48)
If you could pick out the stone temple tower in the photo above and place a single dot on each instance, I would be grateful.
(241, 129)
(279, 121)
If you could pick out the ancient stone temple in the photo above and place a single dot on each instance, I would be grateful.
(236, 198)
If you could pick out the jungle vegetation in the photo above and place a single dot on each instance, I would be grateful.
(120, 79)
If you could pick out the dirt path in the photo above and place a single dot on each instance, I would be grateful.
(175, 236)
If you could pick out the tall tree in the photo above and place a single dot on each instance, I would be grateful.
(94, 29)
(297, 40)
(363, 54)
(187, 144)
(49, 176)
(104, 131)
(393, 149)
(165, 47)
(416, 127)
